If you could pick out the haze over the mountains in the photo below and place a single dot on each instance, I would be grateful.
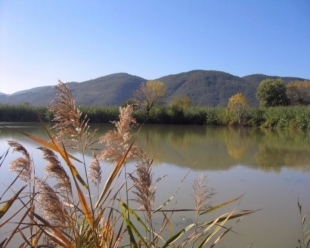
(205, 88)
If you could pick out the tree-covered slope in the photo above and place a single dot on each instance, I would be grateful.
(208, 88)
(205, 88)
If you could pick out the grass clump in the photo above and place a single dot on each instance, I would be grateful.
(60, 209)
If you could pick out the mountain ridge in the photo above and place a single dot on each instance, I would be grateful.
(205, 88)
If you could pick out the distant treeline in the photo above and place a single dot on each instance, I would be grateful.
(295, 117)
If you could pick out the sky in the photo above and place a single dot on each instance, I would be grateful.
(43, 41)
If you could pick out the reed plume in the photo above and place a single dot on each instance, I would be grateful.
(144, 184)
(55, 169)
(117, 140)
(49, 203)
(71, 127)
(21, 166)
(94, 171)
(202, 193)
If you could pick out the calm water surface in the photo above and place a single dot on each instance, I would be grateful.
(271, 169)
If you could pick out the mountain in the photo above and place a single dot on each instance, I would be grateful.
(208, 88)
(205, 88)
(111, 90)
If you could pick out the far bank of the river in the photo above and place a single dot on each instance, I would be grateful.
(297, 117)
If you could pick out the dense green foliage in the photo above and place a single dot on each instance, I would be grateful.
(272, 93)
(295, 117)
(24, 112)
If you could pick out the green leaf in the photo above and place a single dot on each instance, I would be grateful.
(129, 227)
(178, 235)
(220, 205)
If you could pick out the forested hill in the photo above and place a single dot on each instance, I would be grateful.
(205, 88)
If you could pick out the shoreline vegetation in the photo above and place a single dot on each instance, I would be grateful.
(292, 117)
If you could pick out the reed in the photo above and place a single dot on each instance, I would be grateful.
(58, 210)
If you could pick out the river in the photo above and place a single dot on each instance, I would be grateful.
(271, 169)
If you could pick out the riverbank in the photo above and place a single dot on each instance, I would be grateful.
(297, 117)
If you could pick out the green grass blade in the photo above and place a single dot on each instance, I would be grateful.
(129, 226)
(170, 199)
(178, 235)
(220, 205)
(215, 230)
(131, 211)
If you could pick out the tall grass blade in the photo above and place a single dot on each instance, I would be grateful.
(2, 157)
(15, 229)
(178, 235)
(85, 206)
(170, 199)
(11, 184)
(131, 211)
(9, 203)
(220, 205)
(24, 237)
(57, 232)
(129, 226)
(215, 230)
(113, 175)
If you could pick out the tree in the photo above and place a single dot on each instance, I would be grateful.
(271, 93)
(150, 94)
(181, 102)
(238, 106)
(298, 92)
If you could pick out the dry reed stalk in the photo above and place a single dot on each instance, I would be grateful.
(56, 170)
(117, 140)
(202, 193)
(21, 166)
(49, 203)
(94, 171)
(72, 129)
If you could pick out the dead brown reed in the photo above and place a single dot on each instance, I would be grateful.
(50, 204)
(94, 170)
(117, 141)
(202, 193)
(21, 166)
(55, 169)
(71, 128)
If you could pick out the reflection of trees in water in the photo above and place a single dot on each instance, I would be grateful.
(271, 159)
(209, 148)
(237, 142)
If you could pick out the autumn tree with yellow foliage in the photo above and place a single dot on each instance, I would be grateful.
(150, 94)
(181, 102)
(298, 92)
(238, 107)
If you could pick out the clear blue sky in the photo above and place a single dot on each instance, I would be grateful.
(42, 41)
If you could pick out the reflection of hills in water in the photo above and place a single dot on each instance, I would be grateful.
(219, 148)
(208, 148)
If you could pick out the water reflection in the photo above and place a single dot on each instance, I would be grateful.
(207, 148)
(220, 148)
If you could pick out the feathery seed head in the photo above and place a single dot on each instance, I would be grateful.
(23, 165)
(94, 171)
(50, 204)
(56, 170)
